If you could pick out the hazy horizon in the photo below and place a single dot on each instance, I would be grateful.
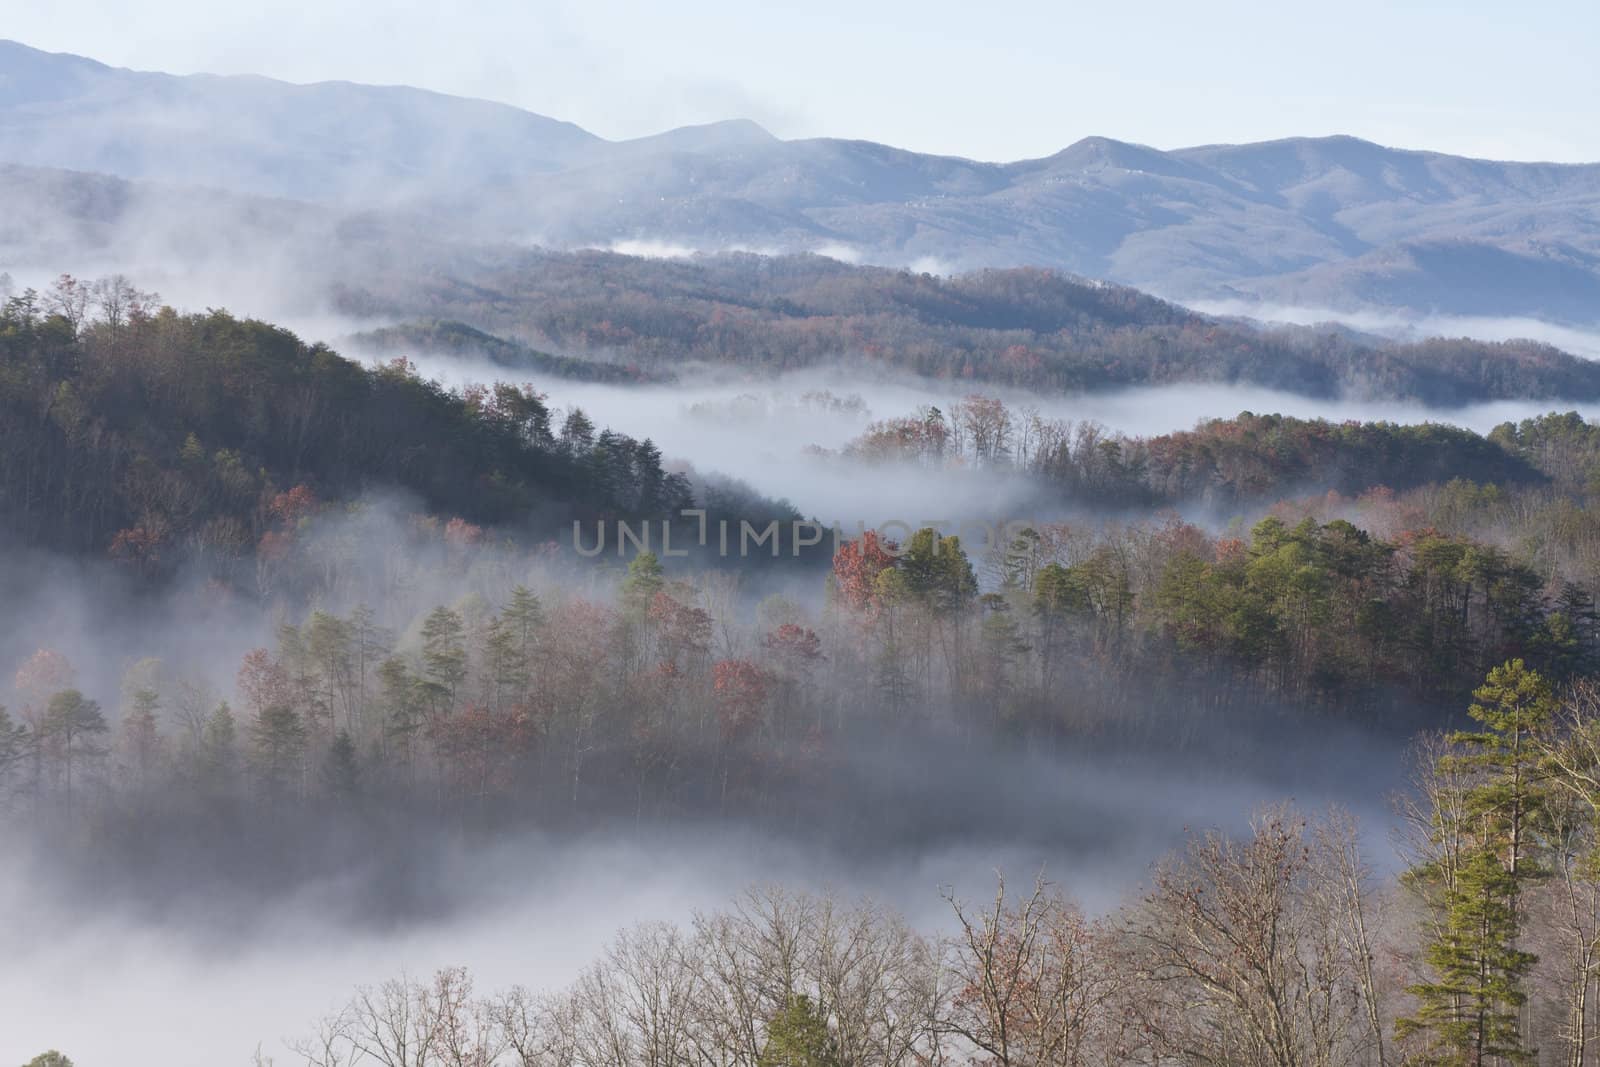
(623, 75)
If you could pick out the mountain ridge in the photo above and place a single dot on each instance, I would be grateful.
(1334, 222)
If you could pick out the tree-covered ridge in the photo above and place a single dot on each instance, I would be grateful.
(130, 426)
(1022, 327)
(1222, 462)
(460, 341)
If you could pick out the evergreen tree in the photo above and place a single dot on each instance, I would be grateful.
(49, 1059)
(277, 742)
(13, 747)
(798, 1037)
(1468, 1013)
(938, 572)
(402, 708)
(444, 653)
(219, 749)
(141, 739)
(645, 579)
(341, 772)
(71, 723)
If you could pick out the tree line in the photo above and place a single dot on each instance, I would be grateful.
(1223, 463)
(659, 693)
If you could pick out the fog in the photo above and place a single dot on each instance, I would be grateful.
(204, 982)
(768, 433)
(1411, 326)
(194, 951)
(200, 956)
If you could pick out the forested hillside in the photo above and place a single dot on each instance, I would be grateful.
(1223, 464)
(1025, 328)
(478, 350)
(126, 426)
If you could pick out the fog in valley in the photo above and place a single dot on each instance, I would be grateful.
(385, 480)
(235, 942)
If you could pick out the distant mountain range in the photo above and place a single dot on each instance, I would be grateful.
(1333, 223)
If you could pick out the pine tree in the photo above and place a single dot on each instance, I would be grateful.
(402, 709)
(71, 722)
(444, 652)
(49, 1059)
(219, 749)
(645, 579)
(1468, 1013)
(798, 1037)
(141, 739)
(341, 773)
(13, 747)
(278, 743)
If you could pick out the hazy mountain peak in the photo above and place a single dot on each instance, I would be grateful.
(1106, 151)
(708, 136)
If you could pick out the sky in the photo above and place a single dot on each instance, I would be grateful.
(1003, 79)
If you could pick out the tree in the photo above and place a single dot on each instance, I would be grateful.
(798, 1036)
(1239, 957)
(645, 579)
(219, 753)
(49, 1059)
(1468, 1009)
(341, 772)
(277, 743)
(856, 568)
(444, 654)
(938, 572)
(1033, 985)
(13, 747)
(71, 723)
(141, 739)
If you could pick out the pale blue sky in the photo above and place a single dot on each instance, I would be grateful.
(992, 79)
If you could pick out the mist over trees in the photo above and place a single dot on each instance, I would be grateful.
(366, 700)
(436, 665)
(1277, 946)
(1025, 328)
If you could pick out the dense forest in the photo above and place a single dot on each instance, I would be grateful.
(127, 426)
(1025, 328)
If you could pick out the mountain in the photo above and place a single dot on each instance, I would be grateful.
(500, 309)
(331, 142)
(1332, 222)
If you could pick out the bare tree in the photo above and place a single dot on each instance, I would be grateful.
(1566, 913)
(1239, 961)
(754, 957)
(1343, 880)
(635, 1007)
(878, 983)
(119, 302)
(1030, 984)
(537, 1030)
(69, 298)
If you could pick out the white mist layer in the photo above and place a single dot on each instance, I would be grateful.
(760, 432)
